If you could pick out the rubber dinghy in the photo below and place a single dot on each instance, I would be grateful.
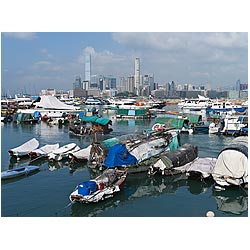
(102, 187)
(17, 172)
(25, 148)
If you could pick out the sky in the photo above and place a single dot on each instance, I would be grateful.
(31, 61)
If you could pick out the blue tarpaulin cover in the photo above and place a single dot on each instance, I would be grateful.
(87, 187)
(118, 155)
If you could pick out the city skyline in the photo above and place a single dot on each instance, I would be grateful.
(35, 61)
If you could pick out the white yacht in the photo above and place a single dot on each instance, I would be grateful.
(196, 104)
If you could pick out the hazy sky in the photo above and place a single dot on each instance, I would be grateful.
(35, 61)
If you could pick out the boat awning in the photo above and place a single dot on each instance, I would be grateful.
(89, 118)
(103, 121)
(171, 122)
(95, 119)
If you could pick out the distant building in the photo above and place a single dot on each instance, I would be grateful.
(243, 86)
(77, 83)
(122, 84)
(79, 92)
(94, 92)
(130, 84)
(244, 94)
(159, 93)
(48, 92)
(190, 93)
(87, 67)
(137, 77)
(237, 87)
(109, 82)
(233, 94)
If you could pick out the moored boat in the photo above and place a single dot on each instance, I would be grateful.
(231, 167)
(102, 187)
(81, 155)
(62, 152)
(25, 148)
(17, 172)
(43, 151)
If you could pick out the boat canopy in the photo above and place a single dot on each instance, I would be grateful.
(51, 102)
(118, 155)
(95, 119)
(170, 122)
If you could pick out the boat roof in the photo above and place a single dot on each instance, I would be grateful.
(95, 119)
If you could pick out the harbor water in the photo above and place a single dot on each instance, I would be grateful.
(46, 193)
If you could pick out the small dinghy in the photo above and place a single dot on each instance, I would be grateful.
(25, 148)
(102, 187)
(63, 152)
(17, 172)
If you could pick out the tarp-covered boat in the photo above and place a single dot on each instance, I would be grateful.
(170, 162)
(44, 150)
(231, 167)
(81, 155)
(100, 188)
(25, 148)
(17, 172)
(134, 152)
(63, 152)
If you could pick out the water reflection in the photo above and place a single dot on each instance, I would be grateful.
(233, 200)
(138, 186)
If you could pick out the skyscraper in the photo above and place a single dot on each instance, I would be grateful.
(137, 76)
(87, 67)
(77, 83)
(238, 85)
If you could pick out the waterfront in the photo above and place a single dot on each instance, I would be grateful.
(46, 192)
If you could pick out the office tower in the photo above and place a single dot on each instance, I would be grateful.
(130, 84)
(137, 76)
(238, 85)
(77, 83)
(87, 67)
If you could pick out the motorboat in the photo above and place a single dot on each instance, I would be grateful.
(225, 107)
(195, 104)
(92, 101)
(102, 187)
(230, 125)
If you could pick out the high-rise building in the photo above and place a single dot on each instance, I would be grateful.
(130, 84)
(77, 83)
(238, 85)
(87, 67)
(137, 76)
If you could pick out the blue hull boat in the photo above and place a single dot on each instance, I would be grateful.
(17, 172)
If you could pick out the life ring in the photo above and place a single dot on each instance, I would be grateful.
(158, 127)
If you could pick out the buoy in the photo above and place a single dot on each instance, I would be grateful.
(210, 214)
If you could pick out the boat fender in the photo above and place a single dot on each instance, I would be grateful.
(101, 186)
